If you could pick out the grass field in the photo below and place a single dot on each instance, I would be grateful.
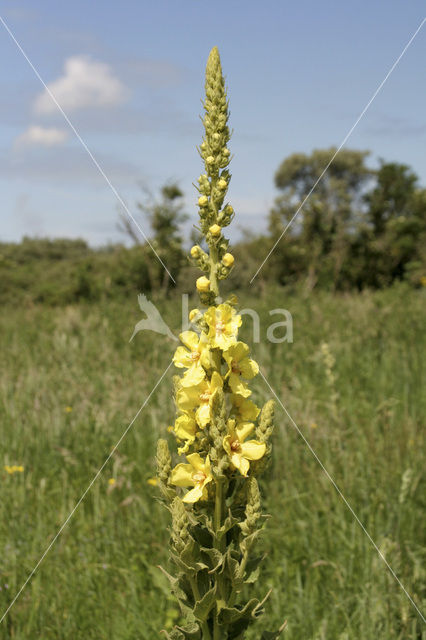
(71, 383)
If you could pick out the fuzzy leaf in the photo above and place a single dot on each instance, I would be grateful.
(252, 569)
(248, 542)
(191, 631)
(203, 607)
(229, 522)
(216, 558)
(229, 615)
(173, 635)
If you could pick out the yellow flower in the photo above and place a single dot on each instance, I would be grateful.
(241, 452)
(111, 481)
(203, 284)
(240, 366)
(195, 251)
(202, 201)
(228, 259)
(13, 469)
(245, 409)
(185, 429)
(196, 474)
(68, 409)
(215, 230)
(223, 323)
(193, 356)
(222, 184)
(152, 481)
(195, 314)
(198, 397)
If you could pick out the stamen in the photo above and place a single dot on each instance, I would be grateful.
(235, 445)
(198, 477)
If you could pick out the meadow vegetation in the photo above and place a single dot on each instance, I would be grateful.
(352, 380)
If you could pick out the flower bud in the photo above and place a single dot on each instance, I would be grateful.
(229, 210)
(210, 160)
(194, 314)
(203, 284)
(226, 152)
(195, 251)
(202, 201)
(222, 184)
(215, 230)
(228, 259)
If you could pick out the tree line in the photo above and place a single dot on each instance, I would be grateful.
(358, 227)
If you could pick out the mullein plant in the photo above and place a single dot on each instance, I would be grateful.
(213, 495)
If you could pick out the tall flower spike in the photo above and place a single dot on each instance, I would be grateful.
(216, 516)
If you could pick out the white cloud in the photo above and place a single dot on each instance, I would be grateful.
(41, 136)
(84, 83)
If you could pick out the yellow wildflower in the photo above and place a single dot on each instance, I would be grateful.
(198, 397)
(203, 284)
(195, 251)
(245, 409)
(68, 409)
(202, 201)
(241, 452)
(228, 259)
(111, 481)
(215, 230)
(152, 481)
(192, 356)
(223, 323)
(194, 315)
(13, 469)
(185, 429)
(196, 474)
(240, 366)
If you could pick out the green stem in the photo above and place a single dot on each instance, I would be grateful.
(214, 285)
(204, 625)
(219, 544)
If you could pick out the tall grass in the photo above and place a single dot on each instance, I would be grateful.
(71, 383)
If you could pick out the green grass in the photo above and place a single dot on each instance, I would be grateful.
(364, 418)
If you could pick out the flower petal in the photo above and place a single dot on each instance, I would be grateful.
(203, 414)
(196, 462)
(190, 339)
(181, 475)
(193, 376)
(194, 495)
(243, 430)
(182, 358)
(238, 386)
(249, 368)
(253, 450)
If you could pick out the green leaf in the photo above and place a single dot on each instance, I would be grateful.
(216, 558)
(252, 569)
(229, 522)
(191, 631)
(203, 607)
(173, 635)
(229, 615)
(259, 610)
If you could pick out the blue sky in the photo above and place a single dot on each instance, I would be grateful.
(130, 77)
